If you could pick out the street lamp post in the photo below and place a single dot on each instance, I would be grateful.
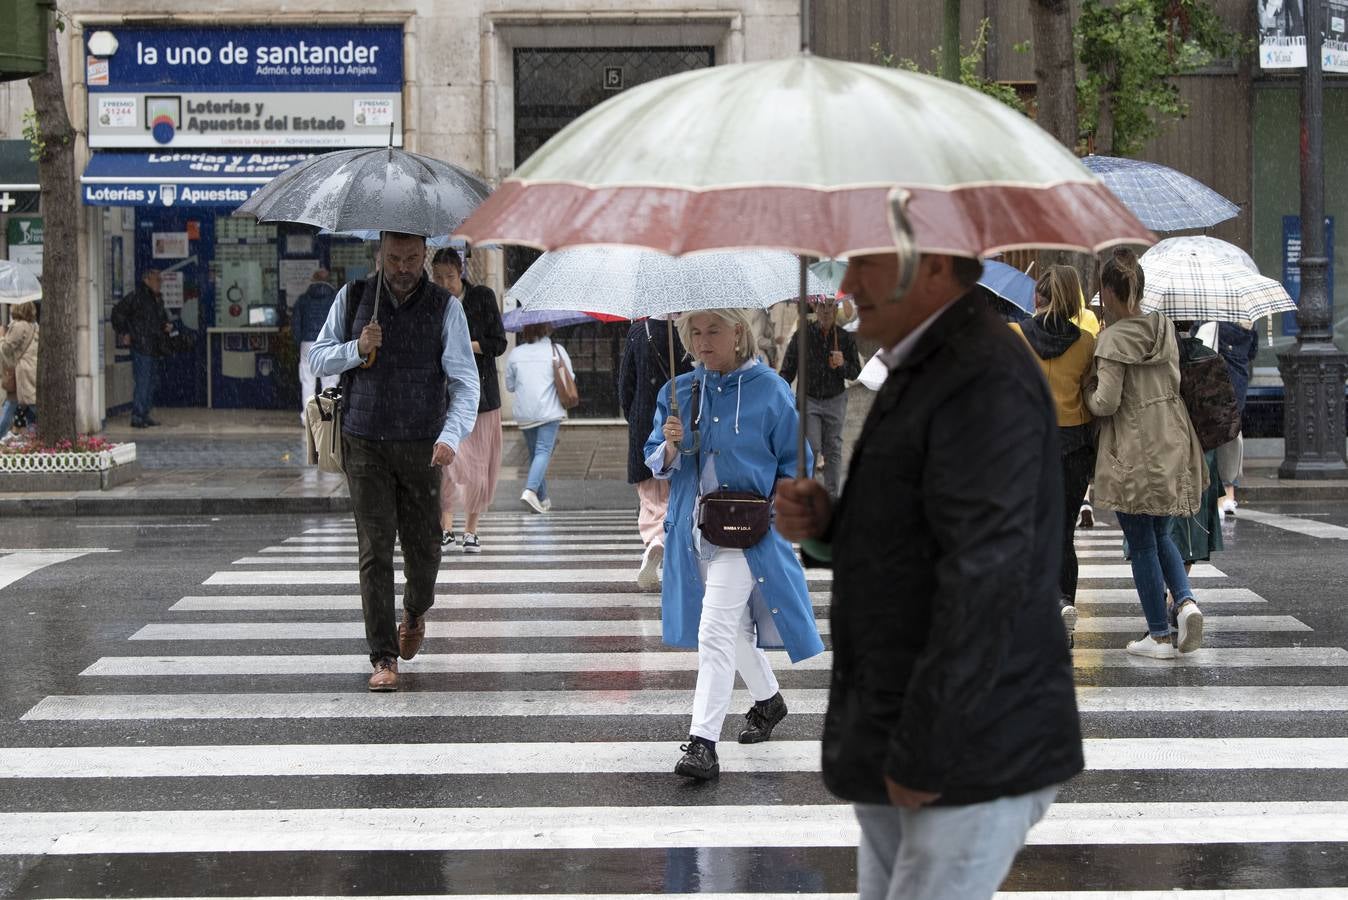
(1313, 372)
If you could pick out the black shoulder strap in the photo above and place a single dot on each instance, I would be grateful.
(355, 293)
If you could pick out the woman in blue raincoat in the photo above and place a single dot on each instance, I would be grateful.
(728, 603)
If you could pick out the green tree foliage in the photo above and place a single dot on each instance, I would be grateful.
(1131, 51)
(970, 62)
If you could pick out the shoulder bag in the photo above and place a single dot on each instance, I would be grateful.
(323, 412)
(565, 382)
(734, 519)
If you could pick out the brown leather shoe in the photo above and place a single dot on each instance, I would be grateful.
(385, 677)
(411, 632)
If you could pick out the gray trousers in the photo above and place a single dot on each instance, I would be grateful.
(943, 852)
(824, 432)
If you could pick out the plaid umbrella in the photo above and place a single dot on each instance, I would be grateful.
(1162, 198)
(1189, 288)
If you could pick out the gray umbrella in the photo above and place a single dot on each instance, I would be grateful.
(384, 189)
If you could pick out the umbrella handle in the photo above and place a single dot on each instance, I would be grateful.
(370, 357)
(802, 367)
(905, 244)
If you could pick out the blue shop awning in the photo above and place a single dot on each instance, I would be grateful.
(180, 179)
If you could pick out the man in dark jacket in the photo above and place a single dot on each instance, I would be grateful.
(306, 321)
(141, 321)
(643, 371)
(833, 361)
(952, 715)
(1238, 347)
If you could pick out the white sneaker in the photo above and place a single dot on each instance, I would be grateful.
(547, 504)
(531, 500)
(1149, 646)
(1228, 507)
(1086, 517)
(1069, 623)
(1190, 627)
(648, 577)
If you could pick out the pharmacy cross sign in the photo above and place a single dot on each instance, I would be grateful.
(7, 201)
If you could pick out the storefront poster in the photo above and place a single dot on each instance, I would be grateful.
(171, 289)
(170, 245)
(1335, 51)
(118, 112)
(1291, 267)
(296, 276)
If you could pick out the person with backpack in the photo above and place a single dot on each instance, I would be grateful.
(1066, 353)
(306, 321)
(1149, 465)
(409, 399)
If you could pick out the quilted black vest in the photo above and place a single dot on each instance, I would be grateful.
(404, 395)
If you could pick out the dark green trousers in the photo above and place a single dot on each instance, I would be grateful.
(395, 494)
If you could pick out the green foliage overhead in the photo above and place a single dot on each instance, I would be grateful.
(1131, 51)
(970, 61)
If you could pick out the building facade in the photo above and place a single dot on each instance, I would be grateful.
(184, 112)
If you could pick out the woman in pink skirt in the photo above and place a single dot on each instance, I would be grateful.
(469, 483)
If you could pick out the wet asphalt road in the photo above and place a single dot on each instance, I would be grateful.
(125, 636)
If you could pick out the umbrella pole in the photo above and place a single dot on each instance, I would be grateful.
(802, 366)
(673, 370)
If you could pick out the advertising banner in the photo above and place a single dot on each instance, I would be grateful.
(180, 179)
(1282, 34)
(318, 87)
(1291, 267)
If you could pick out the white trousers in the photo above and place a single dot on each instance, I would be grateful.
(726, 642)
(307, 377)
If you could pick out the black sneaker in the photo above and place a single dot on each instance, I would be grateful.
(471, 543)
(699, 761)
(448, 539)
(761, 719)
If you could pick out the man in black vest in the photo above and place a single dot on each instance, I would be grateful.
(410, 392)
(952, 716)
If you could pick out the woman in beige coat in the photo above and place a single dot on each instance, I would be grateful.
(18, 351)
(1150, 466)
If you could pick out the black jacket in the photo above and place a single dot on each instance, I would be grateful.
(141, 314)
(822, 381)
(951, 671)
(485, 327)
(643, 371)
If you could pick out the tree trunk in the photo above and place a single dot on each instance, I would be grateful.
(1055, 70)
(950, 42)
(60, 295)
(1104, 127)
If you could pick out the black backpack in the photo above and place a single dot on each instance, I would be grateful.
(1205, 387)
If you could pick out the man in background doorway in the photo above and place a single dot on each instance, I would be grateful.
(306, 321)
(141, 322)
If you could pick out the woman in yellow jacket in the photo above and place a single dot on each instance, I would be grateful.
(1065, 352)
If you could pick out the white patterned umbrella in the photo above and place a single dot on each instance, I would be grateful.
(17, 284)
(1191, 288)
(632, 282)
(1209, 248)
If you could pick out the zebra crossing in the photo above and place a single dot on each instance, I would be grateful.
(230, 748)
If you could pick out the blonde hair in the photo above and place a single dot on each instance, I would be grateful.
(745, 349)
(1061, 287)
(26, 312)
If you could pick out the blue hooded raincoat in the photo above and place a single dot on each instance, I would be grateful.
(748, 423)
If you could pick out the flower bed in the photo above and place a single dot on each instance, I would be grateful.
(87, 463)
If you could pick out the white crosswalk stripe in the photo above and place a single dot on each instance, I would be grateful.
(558, 674)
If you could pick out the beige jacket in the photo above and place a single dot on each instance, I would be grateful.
(18, 351)
(1149, 460)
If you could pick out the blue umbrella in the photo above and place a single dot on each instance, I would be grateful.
(1162, 198)
(517, 319)
(1009, 283)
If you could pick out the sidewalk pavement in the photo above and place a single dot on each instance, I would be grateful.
(231, 462)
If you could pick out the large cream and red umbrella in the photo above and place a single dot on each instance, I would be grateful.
(817, 156)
